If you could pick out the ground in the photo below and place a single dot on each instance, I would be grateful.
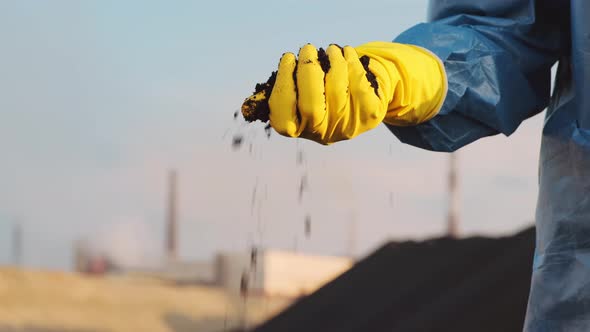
(46, 301)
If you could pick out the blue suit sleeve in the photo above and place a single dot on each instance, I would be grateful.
(497, 56)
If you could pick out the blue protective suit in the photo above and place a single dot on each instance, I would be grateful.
(498, 55)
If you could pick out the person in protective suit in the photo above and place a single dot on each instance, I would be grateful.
(478, 68)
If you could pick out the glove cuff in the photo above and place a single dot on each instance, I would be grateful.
(412, 81)
(431, 93)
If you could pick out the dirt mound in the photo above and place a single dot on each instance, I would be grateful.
(473, 284)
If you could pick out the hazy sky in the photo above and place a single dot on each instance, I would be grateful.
(98, 99)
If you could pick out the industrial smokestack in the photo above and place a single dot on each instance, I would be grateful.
(171, 226)
(17, 243)
(454, 197)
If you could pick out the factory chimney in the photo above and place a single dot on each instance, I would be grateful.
(171, 225)
(17, 243)
(454, 197)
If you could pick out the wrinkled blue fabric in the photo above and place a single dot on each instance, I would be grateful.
(498, 56)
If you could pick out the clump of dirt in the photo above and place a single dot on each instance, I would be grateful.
(324, 60)
(256, 107)
(370, 76)
(267, 130)
(267, 87)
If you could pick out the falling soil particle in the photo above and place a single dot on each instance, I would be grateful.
(267, 130)
(302, 187)
(253, 257)
(370, 76)
(236, 114)
(307, 226)
(253, 200)
(300, 158)
(244, 284)
(237, 141)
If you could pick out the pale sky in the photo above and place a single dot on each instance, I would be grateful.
(98, 99)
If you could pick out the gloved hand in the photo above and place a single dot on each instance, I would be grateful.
(342, 92)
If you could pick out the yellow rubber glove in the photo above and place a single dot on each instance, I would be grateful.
(343, 92)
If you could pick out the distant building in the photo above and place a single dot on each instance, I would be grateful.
(189, 272)
(258, 272)
(277, 273)
(90, 262)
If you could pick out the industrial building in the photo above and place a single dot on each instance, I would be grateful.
(277, 273)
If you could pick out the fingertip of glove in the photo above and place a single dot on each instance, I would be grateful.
(337, 47)
(287, 58)
(349, 52)
(307, 50)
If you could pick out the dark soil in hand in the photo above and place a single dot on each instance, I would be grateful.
(258, 109)
(324, 60)
(370, 76)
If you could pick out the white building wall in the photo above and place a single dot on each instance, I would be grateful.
(279, 273)
(231, 266)
(291, 274)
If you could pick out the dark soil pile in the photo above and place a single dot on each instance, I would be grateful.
(473, 284)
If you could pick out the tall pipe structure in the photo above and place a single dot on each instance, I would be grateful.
(453, 218)
(171, 223)
(17, 243)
